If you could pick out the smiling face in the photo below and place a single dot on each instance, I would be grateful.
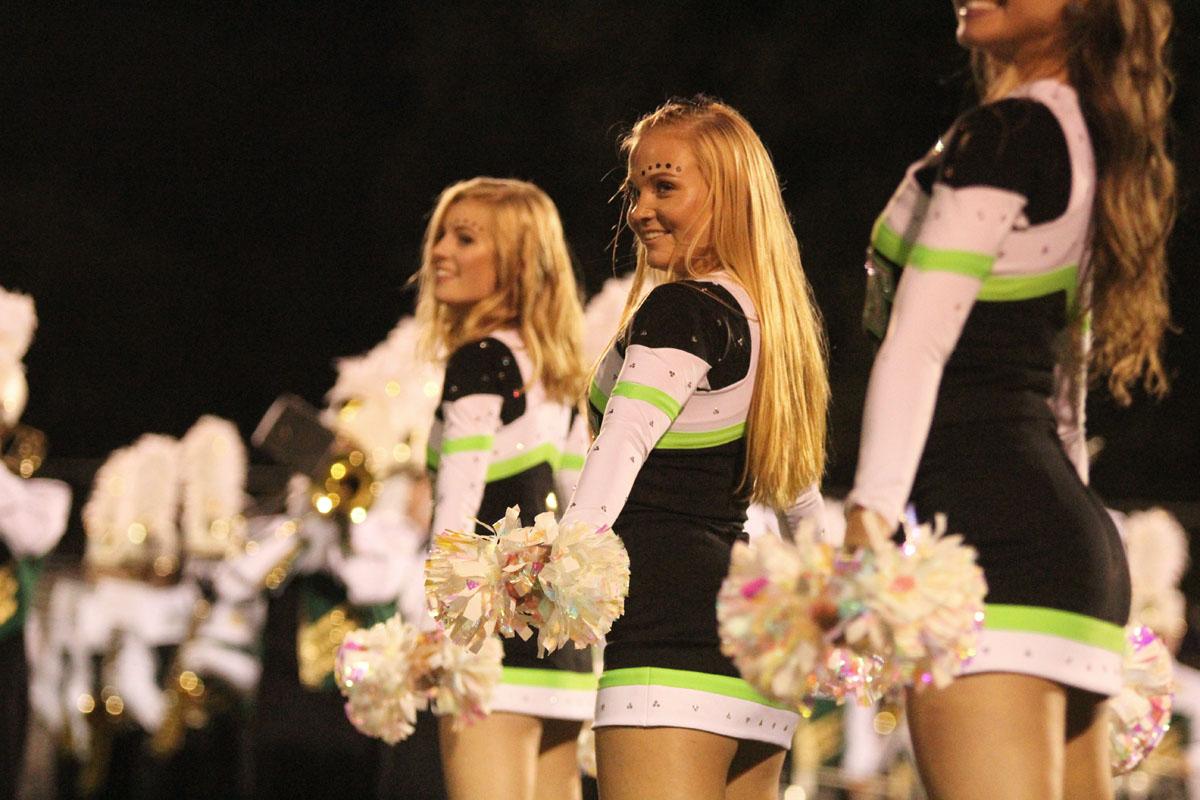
(463, 258)
(668, 199)
(1011, 30)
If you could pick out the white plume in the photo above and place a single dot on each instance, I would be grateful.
(130, 516)
(602, 317)
(1157, 548)
(17, 322)
(214, 478)
(384, 400)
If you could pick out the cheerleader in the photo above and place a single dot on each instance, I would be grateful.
(712, 396)
(1035, 225)
(498, 299)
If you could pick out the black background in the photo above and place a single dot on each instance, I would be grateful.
(210, 204)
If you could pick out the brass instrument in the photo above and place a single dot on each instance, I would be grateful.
(344, 487)
(22, 448)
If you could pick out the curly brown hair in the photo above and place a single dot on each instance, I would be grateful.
(1116, 58)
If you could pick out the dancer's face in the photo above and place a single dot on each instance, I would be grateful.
(1006, 29)
(668, 205)
(464, 255)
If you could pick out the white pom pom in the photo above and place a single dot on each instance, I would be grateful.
(924, 604)
(463, 681)
(373, 670)
(584, 583)
(391, 671)
(570, 583)
(463, 584)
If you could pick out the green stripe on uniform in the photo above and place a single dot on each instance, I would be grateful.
(507, 467)
(995, 288)
(682, 440)
(571, 461)
(548, 678)
(1066, 624)
(889, 244)
(1002, 288)
(960, 262)
(671, 440)
(894, 247)
(723, 685)
(648, 394)
(467, 444)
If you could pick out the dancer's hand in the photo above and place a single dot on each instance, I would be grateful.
(864, 526)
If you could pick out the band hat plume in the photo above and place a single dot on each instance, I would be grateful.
(604, 314)
(213, 475)
(384, 400)
(18, 319)
(1157, 549)
(130, 517)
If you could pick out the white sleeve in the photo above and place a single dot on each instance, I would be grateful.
(33, 513)
(808, 509)
(928, 316)
(469, 426)
(226, 642)
(378, 563)
(651, 388)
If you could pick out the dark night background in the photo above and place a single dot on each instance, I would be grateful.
(210, 204)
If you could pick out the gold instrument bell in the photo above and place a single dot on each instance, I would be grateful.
(344, 487)
(22, 448)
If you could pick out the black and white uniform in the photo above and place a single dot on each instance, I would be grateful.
(670, 400)
(972, 409)
(495, 443)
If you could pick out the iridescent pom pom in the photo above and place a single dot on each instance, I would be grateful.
(463, 584)
(922, 606)
(570, 583)
(372, 669)
(801, 620)
(461, 682)
(1141, 714)
(773, 611)
(584, 584)
(391, 671)
(523, 554)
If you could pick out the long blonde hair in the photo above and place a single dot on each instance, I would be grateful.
(536, 291)
(750, 236)
(1116, 58)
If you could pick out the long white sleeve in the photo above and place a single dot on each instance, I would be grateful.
(807, 509)
(652, 386)
(930, 310)
(469, 427)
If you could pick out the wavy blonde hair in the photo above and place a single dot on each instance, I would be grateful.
(1116, 58)
(750, 236)
(536, 291)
